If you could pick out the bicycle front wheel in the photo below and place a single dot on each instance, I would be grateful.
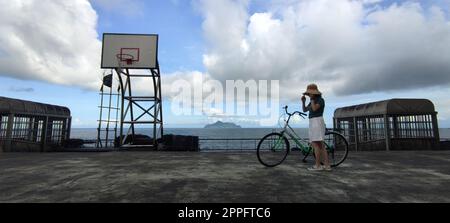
(337, 148)
(273, 150)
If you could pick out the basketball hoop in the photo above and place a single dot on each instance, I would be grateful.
(124, 54)
(129, 59)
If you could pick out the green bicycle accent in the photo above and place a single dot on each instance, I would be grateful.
(278, 144)
(274, 148)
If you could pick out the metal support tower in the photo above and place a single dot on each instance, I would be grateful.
(140, 112)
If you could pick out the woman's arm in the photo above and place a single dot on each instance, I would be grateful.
(304, 105)
(305, 109)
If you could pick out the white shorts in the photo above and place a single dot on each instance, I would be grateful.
(317, 129)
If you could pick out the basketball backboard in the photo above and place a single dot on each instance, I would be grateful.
(129, 51)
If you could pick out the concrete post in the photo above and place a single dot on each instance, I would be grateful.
(44, 134)
(387, 131)
(395, 126)
(355, 127)
(35, 129)
(69, 128)
(335, 124)
(436, 131)
(9, 135)
(30, 128)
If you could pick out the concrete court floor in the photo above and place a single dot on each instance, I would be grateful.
(182, 177)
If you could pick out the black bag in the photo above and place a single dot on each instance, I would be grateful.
(180, 143)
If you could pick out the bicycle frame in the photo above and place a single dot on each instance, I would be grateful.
(293, 136)
(280, 142)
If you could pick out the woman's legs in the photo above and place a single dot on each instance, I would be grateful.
(318, 152)
(321, 154)
(326, 159)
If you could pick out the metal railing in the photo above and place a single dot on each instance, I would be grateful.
(238, 144)
(232, 145)
(225, 145)
(211, 144)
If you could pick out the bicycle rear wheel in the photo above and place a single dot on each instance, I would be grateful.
(337, 148)
(273, 150)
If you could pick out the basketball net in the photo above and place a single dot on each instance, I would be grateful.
(121, 58)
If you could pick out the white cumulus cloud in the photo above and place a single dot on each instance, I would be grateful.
(52, 41)
(348, 47)
(130, 8)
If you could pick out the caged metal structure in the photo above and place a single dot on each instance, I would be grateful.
(32, 127)
(397, 124)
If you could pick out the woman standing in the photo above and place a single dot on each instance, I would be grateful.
(317, 128)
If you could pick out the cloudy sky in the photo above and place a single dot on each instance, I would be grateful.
(357, 51)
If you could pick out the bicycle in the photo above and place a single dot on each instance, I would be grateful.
(274, 148)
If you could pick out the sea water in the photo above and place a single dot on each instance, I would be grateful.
(217, 139)
(244, 133)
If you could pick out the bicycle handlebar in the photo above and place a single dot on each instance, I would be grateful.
(303, 115)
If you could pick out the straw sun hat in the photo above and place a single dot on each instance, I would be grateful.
(312, 90)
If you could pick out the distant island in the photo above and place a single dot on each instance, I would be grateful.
(223, 125)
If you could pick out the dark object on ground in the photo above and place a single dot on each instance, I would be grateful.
(180, 143)
(445, 145)
(141, 140)
(73, 143)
